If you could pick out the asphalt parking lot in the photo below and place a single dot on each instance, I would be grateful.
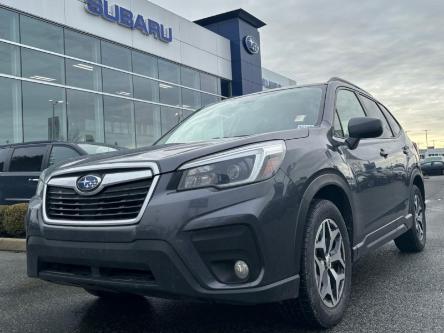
(392, 292)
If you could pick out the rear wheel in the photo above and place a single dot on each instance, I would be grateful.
(414, 240)
(325, 269)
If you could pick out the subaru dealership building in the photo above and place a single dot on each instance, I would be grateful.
(122, 72)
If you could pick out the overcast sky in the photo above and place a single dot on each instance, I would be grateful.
(392, 48)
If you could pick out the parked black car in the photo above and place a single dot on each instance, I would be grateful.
(21, 165)
(433, 168)
(264, 198)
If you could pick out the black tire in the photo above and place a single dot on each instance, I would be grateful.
(413, 240)
(310, 307)
(112, 296)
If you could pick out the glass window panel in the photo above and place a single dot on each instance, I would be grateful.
(146, 89)
(186, 114)
(190, 77)
(83, 75)
(249, 115)
(82, 46)
(116, 56)
(44, 112)
(61, 153)
(169, 71)
(41, 34)
(118, 83)
(191, 99)
(10, 111)
(209, 99)
(9, 59)
(396, 128)
(27, 159)
(170, 117)
(9, 25)
(209, 83)
(337, 126)
(145, 64)
(85, 117)
(43, 67)
(374, 112)
(348, 107)
(148, 126)
(4, 156)
(169, 94)
(226, 89)
(119, 122)
(92, 149)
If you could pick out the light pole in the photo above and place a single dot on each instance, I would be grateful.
(54, 103)
(426, 135)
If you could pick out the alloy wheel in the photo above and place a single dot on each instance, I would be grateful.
(419, 217)
(329, 261)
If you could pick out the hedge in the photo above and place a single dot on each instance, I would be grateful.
(13, 220)
(2, 213)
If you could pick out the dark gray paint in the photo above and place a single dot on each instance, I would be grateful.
(375, 187)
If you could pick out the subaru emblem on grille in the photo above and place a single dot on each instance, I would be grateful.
(88, 183)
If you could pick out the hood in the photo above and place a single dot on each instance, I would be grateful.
(169, 157)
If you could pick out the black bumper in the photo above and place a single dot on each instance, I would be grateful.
(145, 267)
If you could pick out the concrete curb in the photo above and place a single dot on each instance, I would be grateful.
(12, 244)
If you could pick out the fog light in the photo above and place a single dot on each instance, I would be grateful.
(241, 269)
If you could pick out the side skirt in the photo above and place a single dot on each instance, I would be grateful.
(382, 236)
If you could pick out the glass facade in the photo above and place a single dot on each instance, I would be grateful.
(60, 84)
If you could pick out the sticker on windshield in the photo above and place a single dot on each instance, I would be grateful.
(300, 118)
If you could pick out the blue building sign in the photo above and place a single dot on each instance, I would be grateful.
(127, 19)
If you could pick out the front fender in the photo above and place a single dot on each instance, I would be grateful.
(314, 185)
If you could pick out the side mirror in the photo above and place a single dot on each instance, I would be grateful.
(363, 128)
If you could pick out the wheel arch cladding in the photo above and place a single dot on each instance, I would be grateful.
(417, 180)
(337, 195)
(328, 186)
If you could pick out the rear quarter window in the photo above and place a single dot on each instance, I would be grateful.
(396, 128)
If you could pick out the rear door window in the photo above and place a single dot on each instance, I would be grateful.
(27, 159)
(392, 121)
(347, 107)
(374, 112)
(61, 153)
(4, 154)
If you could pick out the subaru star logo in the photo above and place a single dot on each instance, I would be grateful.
(88, 183)
(251, 45)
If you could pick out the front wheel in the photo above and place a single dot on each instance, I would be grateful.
(325, 268)
(414, 239)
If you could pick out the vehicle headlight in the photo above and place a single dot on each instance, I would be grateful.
(40, 184)
(235, 167)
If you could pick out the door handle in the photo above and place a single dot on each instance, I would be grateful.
(383, 153)
(34, 180)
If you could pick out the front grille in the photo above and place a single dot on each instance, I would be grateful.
(116, 202)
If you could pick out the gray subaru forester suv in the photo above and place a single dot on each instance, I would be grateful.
(264, 198)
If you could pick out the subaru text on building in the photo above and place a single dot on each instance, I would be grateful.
(264, 198)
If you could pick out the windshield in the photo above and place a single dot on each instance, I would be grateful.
(96, 149)
(255, 114)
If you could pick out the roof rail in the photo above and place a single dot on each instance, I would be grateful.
(347, 82)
